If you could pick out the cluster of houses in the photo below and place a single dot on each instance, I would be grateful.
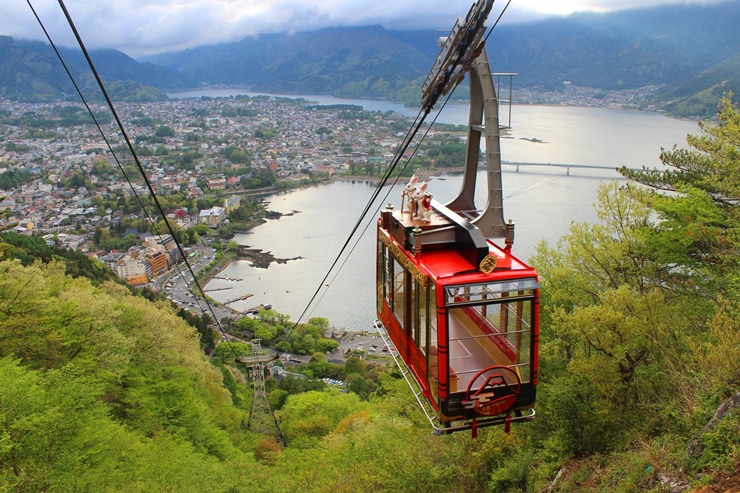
(139, 265)
(158, 254)
(281, 136)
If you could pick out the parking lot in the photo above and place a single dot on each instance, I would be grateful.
(370, 343)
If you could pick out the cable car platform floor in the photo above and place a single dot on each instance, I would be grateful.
(471, 350)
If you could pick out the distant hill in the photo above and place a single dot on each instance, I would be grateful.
(689, 50)
(697, 94)
(621, 50)
(31, 71)
(351, 62)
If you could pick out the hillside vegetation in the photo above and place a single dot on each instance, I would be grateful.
(104, 390)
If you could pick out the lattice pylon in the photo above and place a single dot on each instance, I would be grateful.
(261, 418)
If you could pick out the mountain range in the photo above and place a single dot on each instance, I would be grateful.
(689, 51)
(31, 71)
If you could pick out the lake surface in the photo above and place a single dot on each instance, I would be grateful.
(542, 201)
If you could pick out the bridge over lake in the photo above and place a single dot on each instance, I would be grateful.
(563, 165)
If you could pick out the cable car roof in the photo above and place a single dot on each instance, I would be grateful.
(449, 267)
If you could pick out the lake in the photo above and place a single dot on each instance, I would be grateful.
(542, 201)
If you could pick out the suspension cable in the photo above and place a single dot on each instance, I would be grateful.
(133, 153)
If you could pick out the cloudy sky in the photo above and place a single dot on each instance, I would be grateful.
(141, 27)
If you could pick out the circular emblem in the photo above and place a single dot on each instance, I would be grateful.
(496, 390)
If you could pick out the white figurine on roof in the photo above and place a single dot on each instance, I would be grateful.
(423, 201)
(408, 189)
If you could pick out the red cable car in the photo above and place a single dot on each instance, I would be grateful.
(461, 312)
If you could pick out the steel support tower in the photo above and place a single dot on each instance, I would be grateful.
(261, 418)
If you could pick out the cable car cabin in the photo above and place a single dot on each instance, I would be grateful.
(463, 315)
(461, 311)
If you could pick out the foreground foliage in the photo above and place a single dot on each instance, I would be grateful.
(102, 390)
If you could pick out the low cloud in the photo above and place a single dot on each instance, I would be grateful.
(142, 27)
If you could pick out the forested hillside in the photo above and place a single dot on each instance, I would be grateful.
(31, 71)
(104, 390)
(686, 49)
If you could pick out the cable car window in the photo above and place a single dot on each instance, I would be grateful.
(382, 276)
(433, 358)
(388, 263)
(420, 331)
(481, 336)
(415, 309)
(399, 296)
(482, 292)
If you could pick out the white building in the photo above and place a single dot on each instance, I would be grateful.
(213, 217)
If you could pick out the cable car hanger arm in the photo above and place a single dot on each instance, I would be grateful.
(459, 49)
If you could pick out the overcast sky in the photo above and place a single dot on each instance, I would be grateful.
(141, 27)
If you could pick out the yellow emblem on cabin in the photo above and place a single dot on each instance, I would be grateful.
(488, 264)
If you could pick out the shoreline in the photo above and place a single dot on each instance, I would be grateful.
(251, 92)
(424, 175)
(262, 259)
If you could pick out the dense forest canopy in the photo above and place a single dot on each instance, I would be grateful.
(102, 389)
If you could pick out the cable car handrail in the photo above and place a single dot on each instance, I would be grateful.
(496, 301)
(499, 334)
(423, 403)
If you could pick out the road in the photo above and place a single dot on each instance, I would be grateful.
(176, 285)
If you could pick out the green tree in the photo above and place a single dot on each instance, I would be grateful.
(229, 351)
(359, 385)
(101, 167)
(608, 319)
(265, 332)
(354, 365)
(201, 229)
(698, 222)
(309, 416)
(101, 385)
(248, 323)
(164, 131)
(370, 168)
(77, 180)
(277, 399)
(304, 344)
(321, 323)
(326, 345)
(46, 419)
(239, 156)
